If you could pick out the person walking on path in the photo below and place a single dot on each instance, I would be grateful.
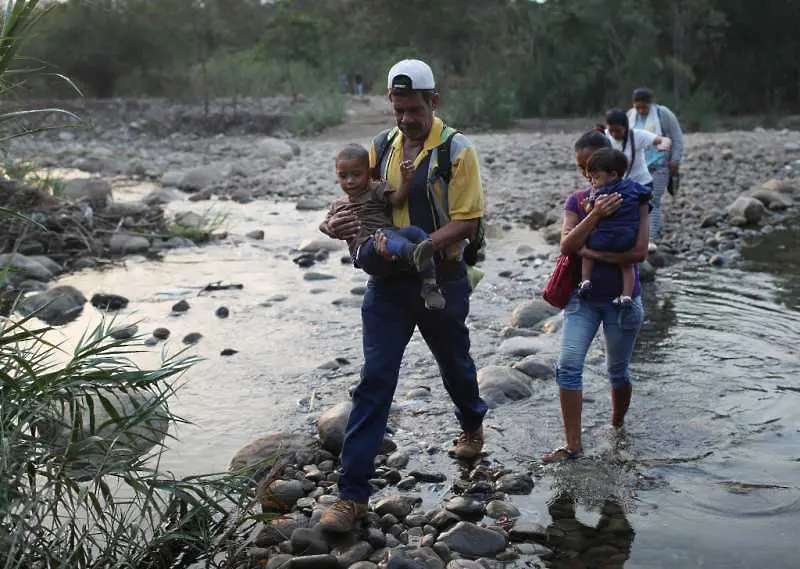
(663, 165)
(449, 209)
(584, 315)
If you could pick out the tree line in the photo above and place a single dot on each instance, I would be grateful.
(508, 57)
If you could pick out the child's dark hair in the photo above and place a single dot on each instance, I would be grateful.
(353, 152)
(593, 140)
(608, 160)
(617, 117)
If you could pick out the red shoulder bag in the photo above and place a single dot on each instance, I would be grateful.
(561, 284)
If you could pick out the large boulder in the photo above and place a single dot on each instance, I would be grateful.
(199, 178)
(57, 306)
(274, 150)
(473, 541)
(772, 199)
(745, 210)
(331, 426)
(25, 267)
(94, 189)
(532, 313)
(281, 447)
(499, 385)
(121, 244)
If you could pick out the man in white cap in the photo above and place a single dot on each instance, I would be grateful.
(446, 200)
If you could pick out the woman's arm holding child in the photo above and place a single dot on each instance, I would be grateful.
(635, 255)
(574, 234)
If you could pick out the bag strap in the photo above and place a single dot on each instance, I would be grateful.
(382, 142)
(444, 159)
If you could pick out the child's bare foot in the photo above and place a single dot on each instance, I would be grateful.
(432, 295)
(422, 254)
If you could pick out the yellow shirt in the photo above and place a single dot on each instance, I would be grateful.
(464, 198)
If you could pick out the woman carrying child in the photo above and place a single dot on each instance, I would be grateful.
(583, 316)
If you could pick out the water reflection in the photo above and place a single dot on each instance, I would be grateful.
(576, 545)
(776, 253)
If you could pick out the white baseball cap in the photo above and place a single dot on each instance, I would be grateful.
(411, 75)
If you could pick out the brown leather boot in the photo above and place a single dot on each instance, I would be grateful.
(468, 445)
(342, 516)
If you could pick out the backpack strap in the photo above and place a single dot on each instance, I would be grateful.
(381, 143)
(445, 161)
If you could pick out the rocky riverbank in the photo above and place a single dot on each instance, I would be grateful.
(427, 512)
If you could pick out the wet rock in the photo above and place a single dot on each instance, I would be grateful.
(161, 196)
(465, 508)
(552, 233)
(364, 565)
(398, 505)
(511, 332)
(192, 338)
(535, 367)
(398, 459)
(123, 332)
(407, 483)
(178, 242)
(311, 204)
(309, 541)
(711, 220)
(745, 210)
(421, 392)
(326, 244)
(109, 302)
(180, 306)
(315, 562)
(256, 234)
(526, 531)
(531, 313)
(499, 385)
(772, 199)
(443, 520)
(331, 426)
(348, 556)
(785, 187)
(24, 267)
(121, 244)
(57, 306)
(222, 312)
(280, 529)
(429, 477)
(84, 263)
(497, 509)
(358, 290)
(473, 541)
(525, 346)
(47, 263)
(347, 302)
(647, 272)
(161, 333)
(464, 564)
(293, 448)
(97, 190)
(190, 220)
(199, 178)
(242, 196)
(519, 484)
(281, 495)
(315, 276)
(305, 260)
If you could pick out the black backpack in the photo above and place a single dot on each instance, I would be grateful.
(383, 142)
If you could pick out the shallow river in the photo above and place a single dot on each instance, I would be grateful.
(707, 476)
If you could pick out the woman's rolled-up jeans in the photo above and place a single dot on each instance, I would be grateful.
(582, 319)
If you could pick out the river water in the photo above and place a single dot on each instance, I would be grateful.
(706, 476)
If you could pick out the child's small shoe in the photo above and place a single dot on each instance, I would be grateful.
(422, 253)
(623, 301)
(584, 289)
(432, 295)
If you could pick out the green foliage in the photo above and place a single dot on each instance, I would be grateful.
(27, 173)
(316, 114)
(79, 485)
(480, 108)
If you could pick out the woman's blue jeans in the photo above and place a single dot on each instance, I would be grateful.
(582, 319)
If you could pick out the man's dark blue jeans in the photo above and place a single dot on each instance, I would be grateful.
(391, 310)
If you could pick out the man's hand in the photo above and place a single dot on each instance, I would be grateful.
(344, 225)
(407, 171)
(380, 246)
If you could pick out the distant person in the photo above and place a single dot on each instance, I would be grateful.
(359, 85)
(371, 202)
(663, 165)
(446, 200)
(617, 233)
